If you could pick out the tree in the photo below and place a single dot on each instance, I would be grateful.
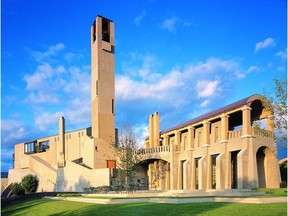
(127, 155)
(277, 104)
(17, 188)
(30, 183)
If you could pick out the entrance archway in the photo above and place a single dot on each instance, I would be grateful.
(266, 168)
(156, 173)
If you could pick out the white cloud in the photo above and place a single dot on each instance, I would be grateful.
(253, 69)
(12, 130)
(40, 78)
(172, 22)
(207, 88)
(178, 87)
(52, 51)
(282, 54)
(140, 17)
(205, 103)
(267, 43)
(45, 120)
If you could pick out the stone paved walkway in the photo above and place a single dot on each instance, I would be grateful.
(172, 200)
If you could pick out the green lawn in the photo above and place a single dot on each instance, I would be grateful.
(53, 207)
(273, 192)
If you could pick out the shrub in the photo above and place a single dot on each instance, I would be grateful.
(17, 188)
(30, 183)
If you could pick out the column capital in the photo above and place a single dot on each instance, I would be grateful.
(206, 122)
(177, 132)
(190, 127)
(246, 107)
(224, 115)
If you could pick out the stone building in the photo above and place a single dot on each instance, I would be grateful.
(71, 161)
(219, 150)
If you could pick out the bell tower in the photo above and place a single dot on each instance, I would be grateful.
(103, 80)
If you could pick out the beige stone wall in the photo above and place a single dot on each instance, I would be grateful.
(4, 183)
(74, 177)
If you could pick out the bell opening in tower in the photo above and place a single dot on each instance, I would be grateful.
(106, 30)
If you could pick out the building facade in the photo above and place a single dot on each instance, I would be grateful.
(72, 161)
(218, 150)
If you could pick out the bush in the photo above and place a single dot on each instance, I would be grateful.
(17, 188)
(30, 183)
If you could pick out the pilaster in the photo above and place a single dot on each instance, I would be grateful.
(246, 120)
(224, 128)
(191, 131)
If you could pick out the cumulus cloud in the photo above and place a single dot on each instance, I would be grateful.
(12, 130)
(176, 85)
(65, 86)
(267, 43)
(50, 52)
(45, 120)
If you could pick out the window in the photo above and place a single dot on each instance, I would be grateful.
(213, 171)
(106, 30)
(97, 88)
(113, 106)
(29, 148)
(43, 146)
(197, 173)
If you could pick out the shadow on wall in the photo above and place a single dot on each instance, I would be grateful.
(62, 184)
(81, 184)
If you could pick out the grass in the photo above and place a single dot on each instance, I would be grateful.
(52, 207)
(273, 192)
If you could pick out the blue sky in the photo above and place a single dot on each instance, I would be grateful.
(180, 58)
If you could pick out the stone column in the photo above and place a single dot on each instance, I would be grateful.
(177, 140)
(167, 176)
(206, 133)
(165, 140)
(246, 120)
(191, 131)
(61, 144)
(156, 127)
(224, 128)
(151, 132)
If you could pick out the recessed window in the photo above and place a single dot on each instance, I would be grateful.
(29, 148)
(97, 88)
(43, 146)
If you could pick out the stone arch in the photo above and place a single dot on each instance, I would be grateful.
(156, 173)
(266, 168)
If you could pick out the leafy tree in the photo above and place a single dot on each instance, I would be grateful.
(277, 104)
(17, 188)
(127, 155)
(30, 183)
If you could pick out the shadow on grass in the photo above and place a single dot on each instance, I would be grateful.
(56, 208)
(143, 209)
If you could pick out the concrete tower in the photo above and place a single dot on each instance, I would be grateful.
(103, 80)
